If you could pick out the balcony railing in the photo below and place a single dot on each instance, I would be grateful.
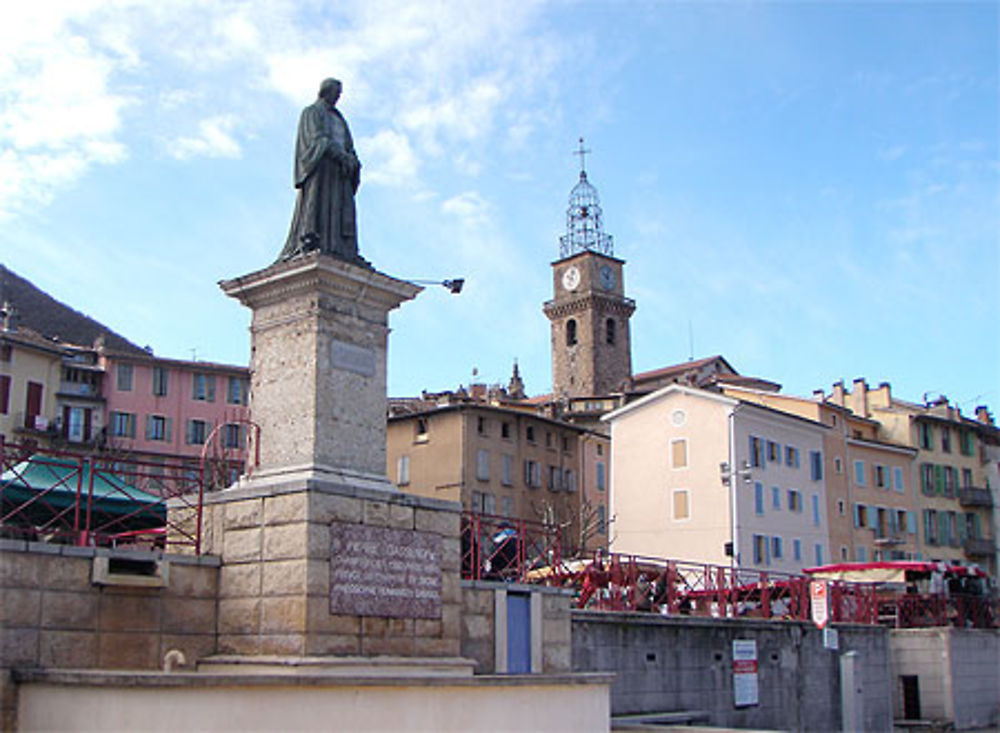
(888, 539)
(978, 546)
(974, 496)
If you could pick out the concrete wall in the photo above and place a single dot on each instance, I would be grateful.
(164, 702)
(481, 631)
(666, 664)
(52, 615)
(958, 673)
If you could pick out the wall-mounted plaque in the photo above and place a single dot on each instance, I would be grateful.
(378, 571)
(353, 358)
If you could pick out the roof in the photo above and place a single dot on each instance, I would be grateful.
(663, 392)
(195, 366)
(512, 411)
(51, 319)
(680, 368)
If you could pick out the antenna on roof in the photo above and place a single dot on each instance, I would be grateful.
(690, 341)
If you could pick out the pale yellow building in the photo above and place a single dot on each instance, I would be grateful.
(506, 463)
(30, 378)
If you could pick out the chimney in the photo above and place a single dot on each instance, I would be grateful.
(837, 394)
(819, 395)
(881, 397)
(983, 415)
(859, 397)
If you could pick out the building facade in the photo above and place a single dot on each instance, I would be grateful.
(505, 463)
(673, 494)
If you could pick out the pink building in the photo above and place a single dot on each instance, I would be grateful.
(169, 409)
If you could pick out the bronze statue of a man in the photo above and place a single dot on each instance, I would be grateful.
(327, 174)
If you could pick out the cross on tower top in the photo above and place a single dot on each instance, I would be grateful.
(582, 152)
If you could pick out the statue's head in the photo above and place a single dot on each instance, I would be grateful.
(329, 90)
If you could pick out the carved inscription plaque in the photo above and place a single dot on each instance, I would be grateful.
(378, 571)
(353, 358)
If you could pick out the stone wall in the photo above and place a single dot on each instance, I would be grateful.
(957, 670)
(52, 615)
(681, 663)
(274, 585)
(551, 638)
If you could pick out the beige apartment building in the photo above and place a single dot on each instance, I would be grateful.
(871, 500)
(505, 462)
(672, 494)
(951, 466)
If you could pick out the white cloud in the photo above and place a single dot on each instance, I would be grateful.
(389, 159)
(214, 140)
(469, 207)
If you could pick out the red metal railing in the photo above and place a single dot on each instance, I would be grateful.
(498, 548)
(494, 548)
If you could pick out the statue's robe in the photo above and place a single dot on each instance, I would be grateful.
(327, 178)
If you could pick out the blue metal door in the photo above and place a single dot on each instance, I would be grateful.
(518, 633)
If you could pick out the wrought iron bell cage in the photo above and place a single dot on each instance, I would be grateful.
(584, 222)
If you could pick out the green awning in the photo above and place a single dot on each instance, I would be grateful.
(43, 490)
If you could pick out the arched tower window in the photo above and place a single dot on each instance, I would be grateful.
(609, 331)
(571, 332)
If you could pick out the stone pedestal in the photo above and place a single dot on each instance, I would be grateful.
(318, 365)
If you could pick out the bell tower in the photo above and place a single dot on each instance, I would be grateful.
(589, 313)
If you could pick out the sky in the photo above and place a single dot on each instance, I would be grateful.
(811, 189)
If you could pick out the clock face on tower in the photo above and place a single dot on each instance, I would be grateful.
(571, 278)
(607, 277)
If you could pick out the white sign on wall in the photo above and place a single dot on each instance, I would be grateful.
(819, 603)
(745, 689)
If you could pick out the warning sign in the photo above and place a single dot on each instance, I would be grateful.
(745, 690)
(819, 603)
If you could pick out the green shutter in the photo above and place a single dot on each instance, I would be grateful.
(938, 479)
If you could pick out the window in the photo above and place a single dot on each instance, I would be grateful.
(161, 380)
(859, 473)
(775, 497)
(794, 501)
(532, 474)
(158, 427)
(566, 447)
(555, 478)
(946, 440)
(602, 521)
(4, 394)
(773, 452)
(403, 470)
(233, 435)
(930, 527)
(797, 549)
(609, 331)
(507, 506)
(6, 352)
(548, 439)
(965, 442)
(860, 516)
(600, 449)
(203, 387)
(505, 430)
(483, 465)
(927, 478)
(481, 425)
(844, 553)
(602, 481)
(529, 433)
(949, 481)
(838, 465)
(123, 381)
(571, 332)
(236, 391)
(861, 554)
(761, 554)
(489, 504)
(880, 476)
(841, 507)
(569, 480)
(681, 505)
(815, 465)
(901, 521)
(819, 554)
(758, 497)
(897, 479)
(926, 436)
(122, 424)
(815, 508)
(507, 470)
(421, 430)
(678, 453)
(966, 478)
(776, 548)
(791, 456)
(196, 432)
(756, 452)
